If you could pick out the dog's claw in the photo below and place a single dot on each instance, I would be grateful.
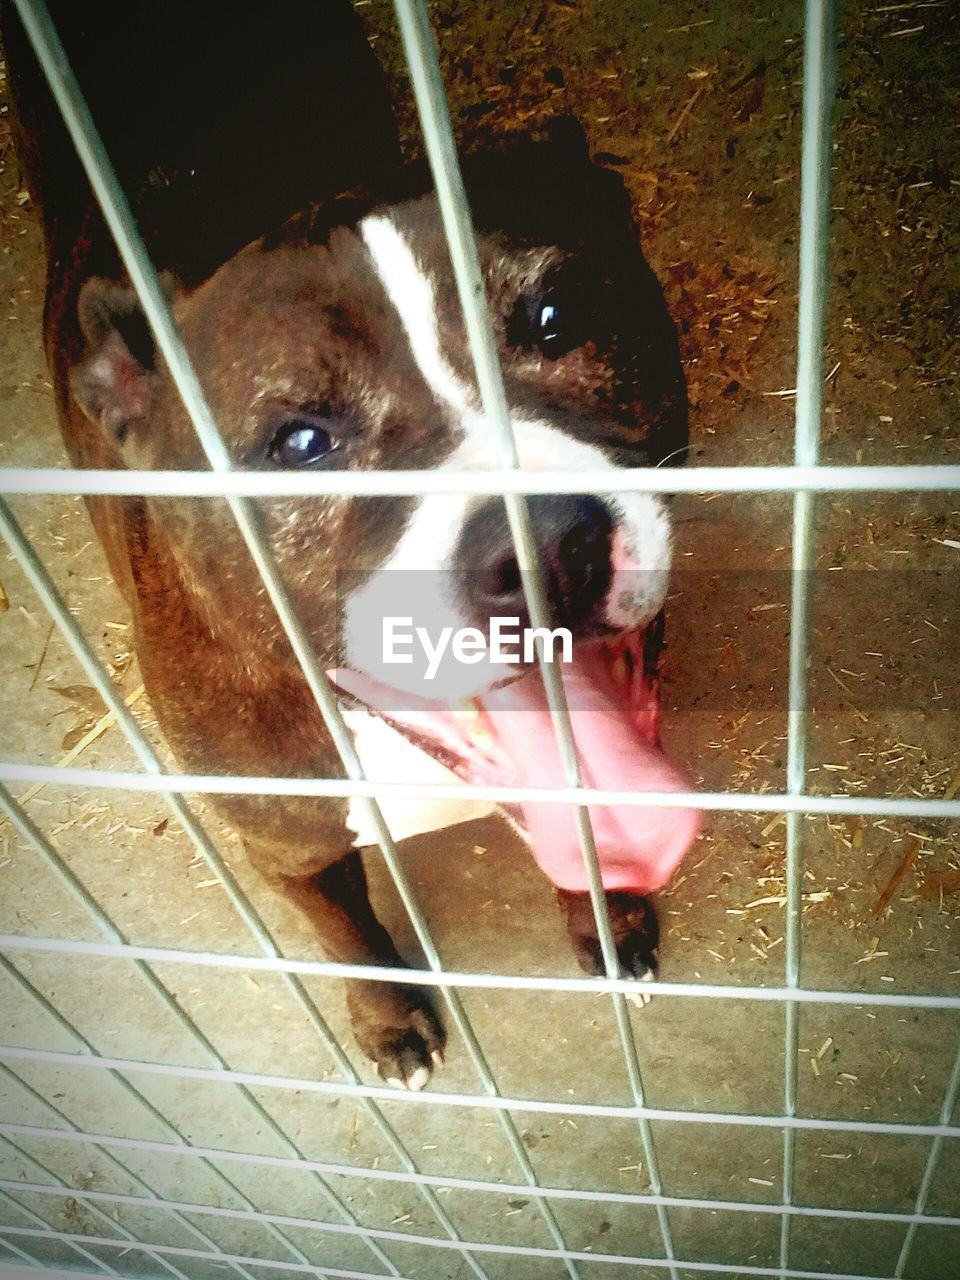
(419, 1079)
(405, 1073)
(399, 1033)
(642, 998)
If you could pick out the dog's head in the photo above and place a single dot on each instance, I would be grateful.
(339, 344)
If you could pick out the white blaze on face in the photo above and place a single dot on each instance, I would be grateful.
(642, 544)
(413, 295)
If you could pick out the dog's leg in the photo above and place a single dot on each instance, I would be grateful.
(636, 935)
(394, 1023)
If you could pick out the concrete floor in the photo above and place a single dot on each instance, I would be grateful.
(890, 727)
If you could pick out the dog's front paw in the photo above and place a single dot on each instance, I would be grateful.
(636, 936)
(397, 1029)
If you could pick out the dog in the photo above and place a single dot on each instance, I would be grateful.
(307, 271)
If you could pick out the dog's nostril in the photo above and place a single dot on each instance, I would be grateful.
(573, 540)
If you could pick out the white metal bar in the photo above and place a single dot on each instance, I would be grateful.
(7, 1198)
(522, 1251)
(947, 1108)
(9, 1272)
(96, 163)
(246, 784)
(483, 1101)
(11, 1186)
(17, 1273)
(55, 605)
(424, 69)
(818, 93)
(175, 1251)
(423, 65)
(58, 868)
(475, 1184)
(70, 1131)
(279, 1220)
(496, 482)
(40, 1001)
(95, 1198)
(482, 981)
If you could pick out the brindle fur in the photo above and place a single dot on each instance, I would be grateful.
(289, 321)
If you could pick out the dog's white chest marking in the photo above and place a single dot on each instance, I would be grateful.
(387, 756)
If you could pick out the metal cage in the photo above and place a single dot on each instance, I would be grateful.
(85, 1253)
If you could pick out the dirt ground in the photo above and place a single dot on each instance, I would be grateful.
(698, 106)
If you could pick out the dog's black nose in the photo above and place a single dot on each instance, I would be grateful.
(573, 538)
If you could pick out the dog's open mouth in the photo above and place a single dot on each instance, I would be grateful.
(505, 736)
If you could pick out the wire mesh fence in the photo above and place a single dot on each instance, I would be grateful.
(165, 1233)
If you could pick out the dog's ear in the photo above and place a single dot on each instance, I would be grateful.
(313, 224)
(544, 185)
(566, 135)
(115, 383)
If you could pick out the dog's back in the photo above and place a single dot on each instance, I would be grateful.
(221, 119)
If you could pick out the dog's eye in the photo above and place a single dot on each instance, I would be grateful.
(553, 331)
(301, 443)
(548, 322)
(553, 321)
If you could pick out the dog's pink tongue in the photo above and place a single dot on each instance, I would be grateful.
(618, 748)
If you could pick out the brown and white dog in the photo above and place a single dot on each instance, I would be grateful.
(309, 277)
